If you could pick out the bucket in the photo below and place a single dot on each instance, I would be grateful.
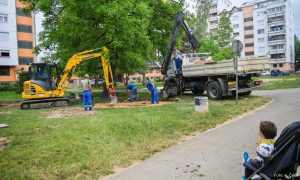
(201, 104)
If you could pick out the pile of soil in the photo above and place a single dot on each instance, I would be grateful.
(67, 112)
(130, 104)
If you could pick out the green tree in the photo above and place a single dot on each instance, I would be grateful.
(224, 32)
(132, 30)
(203, 8)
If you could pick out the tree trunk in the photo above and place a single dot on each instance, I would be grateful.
(105, 93)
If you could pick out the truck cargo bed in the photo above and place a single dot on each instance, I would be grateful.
(226, 67)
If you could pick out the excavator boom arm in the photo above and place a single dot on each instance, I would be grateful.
(76, 59)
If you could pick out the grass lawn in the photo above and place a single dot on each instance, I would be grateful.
(9, 95)
(285, 82)
(87, 147)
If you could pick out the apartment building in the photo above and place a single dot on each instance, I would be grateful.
(266, 29)
(217, 6)
(16, 40)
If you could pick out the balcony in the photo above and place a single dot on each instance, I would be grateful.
(213, 18)
(277, 51)
(271, 33)
(213, 26)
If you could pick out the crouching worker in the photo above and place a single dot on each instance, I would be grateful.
(87, 93)
(153, 91)
(133, 93)
(265, 148)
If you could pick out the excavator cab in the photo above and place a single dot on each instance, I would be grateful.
(45, 75)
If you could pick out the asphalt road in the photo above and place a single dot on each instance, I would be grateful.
(217, 154)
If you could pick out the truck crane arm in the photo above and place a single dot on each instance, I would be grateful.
(179, 22)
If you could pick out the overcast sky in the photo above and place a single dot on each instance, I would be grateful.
(295, 5)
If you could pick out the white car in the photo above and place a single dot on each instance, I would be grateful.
(267, 73)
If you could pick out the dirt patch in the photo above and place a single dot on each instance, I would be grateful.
(130, 104)
(66, 113)
(10, 103)
(4, 141)
(191, 169)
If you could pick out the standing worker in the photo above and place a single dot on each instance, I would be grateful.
(178, 61)
(133, 93)
(87, 93)
(153, 91)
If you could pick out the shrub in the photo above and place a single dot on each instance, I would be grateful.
(23, 76)
(8, 87)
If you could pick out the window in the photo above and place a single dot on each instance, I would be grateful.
(25, 61)
(261, 40)
(277, 38)
(235, 18)
(274, 65)
(249, 36)
(24, 44)
(276, 28)
(249, 53)
(249, 44)
(248, 28)
(3, 1)
(281, 65)
(21, 28)
(235, 26)
(277, 47)
(20, 12)
(213, 22)
(276, 10)
(278, 56)
(261, 31)
(260, 23)
(237, 34)
(4, 36)
(276, 19)
(4, 71)
(248, 19)
(4, 54)
(3, 18)
(261, 49)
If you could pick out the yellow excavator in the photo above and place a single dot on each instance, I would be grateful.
(41, 89)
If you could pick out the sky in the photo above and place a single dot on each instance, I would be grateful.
(295, 5)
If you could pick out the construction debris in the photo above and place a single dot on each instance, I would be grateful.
(3, 126)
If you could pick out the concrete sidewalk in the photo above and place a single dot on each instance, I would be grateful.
(217, 154)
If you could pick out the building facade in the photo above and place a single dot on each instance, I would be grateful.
(16, 40)
(266, 28)
(217, 7)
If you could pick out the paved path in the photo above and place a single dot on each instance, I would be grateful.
(216, 154)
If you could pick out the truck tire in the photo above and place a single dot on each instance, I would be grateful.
(214, 91)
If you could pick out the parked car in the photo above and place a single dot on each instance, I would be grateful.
(285, 73)
(267, 73)
(297, 72)
(275, 73)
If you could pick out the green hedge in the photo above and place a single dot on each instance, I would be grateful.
(8, 87)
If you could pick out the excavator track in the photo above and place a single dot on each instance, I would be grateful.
(45, 103)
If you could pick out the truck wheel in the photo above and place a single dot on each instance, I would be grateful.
(214, 91)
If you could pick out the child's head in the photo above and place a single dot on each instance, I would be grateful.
(268, 129)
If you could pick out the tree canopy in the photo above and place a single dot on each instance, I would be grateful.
(132, 30)
(297, 52)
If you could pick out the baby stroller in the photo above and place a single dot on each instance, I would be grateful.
(285, 160)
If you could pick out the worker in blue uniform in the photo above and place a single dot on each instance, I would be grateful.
(153, 91)
(178, 61)
(133, 93)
